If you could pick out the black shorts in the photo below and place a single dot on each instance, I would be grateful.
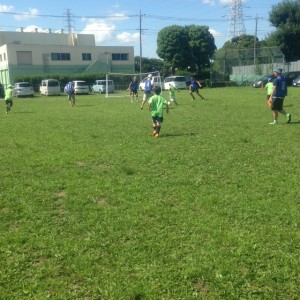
(277, 103)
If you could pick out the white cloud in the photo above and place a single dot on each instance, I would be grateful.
(32, 28)
(6, 8)
(32, 12)
(209, 2)
(127, 37)
(102, 30)
(118, 17)
(215, 33)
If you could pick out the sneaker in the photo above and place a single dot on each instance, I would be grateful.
(155, 135)
(289, 118)
(274, 123)
(141, 107)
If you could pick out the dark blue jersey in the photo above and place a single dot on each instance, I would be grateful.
(194, 84)
(281, 88)
(134, 85)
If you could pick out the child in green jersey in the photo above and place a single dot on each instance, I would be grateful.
(269, 88)
(9, 98)
(172, 90)
(156, 105)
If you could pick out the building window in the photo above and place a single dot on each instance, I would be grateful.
(86, 56)
(0, 57)
(60, 56)
(119, 56)
(24, 57)
(4, 56)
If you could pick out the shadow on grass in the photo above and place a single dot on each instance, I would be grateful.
(85, 105)
(167, 135)
(22, 112)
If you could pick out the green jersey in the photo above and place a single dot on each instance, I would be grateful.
(157, 103)
(269, 88)
(8, 94)
(172, 91)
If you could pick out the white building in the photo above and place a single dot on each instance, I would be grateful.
(38, 53)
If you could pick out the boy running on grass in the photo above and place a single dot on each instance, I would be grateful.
(172, 90)
(9, 98)
(195, 85)
(156, 106)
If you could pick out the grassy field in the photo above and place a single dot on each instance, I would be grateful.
(93, 207)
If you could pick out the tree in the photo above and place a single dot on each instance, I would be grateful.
(244, 41)
(148, 64)
(202, 46)
(285, 17)
(188, 47)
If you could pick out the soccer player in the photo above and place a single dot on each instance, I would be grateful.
(277, 97)
(195, 85)
(269, 88)
(147, 90)
(156, 105)
(172, 90)
(70, 91)
(9, 98)
(132, 88)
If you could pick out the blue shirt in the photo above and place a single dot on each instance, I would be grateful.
(194, 84)
(148, 86)
(134, 85)
(281, 88)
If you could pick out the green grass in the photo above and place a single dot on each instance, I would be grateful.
(93, 207)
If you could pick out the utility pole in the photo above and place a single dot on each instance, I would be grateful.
(140, 46)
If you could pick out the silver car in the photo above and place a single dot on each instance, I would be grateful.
(296, 81)
(23, 89)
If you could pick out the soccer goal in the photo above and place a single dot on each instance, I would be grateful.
(121, 83)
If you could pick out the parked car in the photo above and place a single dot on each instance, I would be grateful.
(156, 81)
(290, 76)
(99, 86)
(23, 89)
(50, 87)
(177, 81)
(81, 87)
(262, 80)
(296, 81)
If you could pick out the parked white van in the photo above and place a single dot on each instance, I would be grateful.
(99, 86)
(81, 87)
(177, 81)
(50, 87)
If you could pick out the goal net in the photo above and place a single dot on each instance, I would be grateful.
(121, 81)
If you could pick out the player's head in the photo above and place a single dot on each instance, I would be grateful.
(170, 84)
(134, 78)
(9, 86)
(269, 79)
(157, 90)
(150, 76)
(278, 70)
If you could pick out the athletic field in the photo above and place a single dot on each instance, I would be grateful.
(93, 207)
